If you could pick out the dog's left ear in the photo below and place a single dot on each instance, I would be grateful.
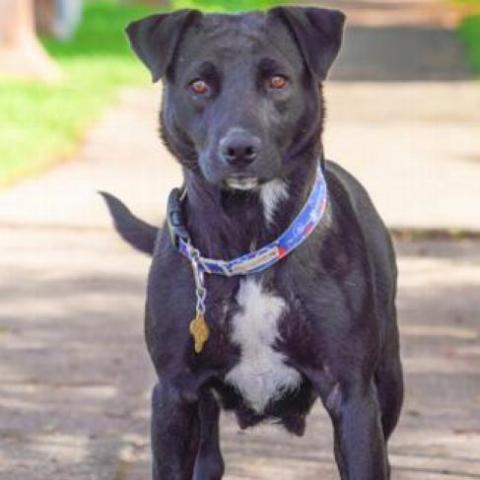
(155, 38)
(318, 32)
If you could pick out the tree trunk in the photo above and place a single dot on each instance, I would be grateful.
(45, 16)
(58, 18)
(21, 54)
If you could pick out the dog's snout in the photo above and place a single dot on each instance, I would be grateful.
(239, 148)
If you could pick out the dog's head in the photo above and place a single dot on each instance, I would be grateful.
(241, 92)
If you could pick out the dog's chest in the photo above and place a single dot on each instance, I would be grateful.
(261, 375)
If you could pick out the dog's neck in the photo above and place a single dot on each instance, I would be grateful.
(226, 224)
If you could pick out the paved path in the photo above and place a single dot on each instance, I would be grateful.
(76, 379)
(414, 145)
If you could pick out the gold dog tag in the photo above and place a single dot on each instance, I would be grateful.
(199, 331)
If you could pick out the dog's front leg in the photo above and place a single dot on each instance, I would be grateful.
(175, 433)
(209, 464)
(360, 449)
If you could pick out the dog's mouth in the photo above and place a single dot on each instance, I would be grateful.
(242, 183)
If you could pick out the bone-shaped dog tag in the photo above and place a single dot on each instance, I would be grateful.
(199, 331)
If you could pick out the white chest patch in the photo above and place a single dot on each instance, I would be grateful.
(271, 194)
(261, 375)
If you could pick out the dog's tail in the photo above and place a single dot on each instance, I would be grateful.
(135, 232)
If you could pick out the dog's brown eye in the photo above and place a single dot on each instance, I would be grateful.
(199, 87)
(277, 82)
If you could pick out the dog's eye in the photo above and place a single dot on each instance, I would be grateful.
(277, 82)
(199, 87)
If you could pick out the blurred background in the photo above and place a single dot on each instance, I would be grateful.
(78, 114)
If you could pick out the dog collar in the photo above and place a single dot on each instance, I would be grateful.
(298, 231)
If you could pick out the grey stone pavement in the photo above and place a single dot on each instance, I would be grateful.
(75, 377)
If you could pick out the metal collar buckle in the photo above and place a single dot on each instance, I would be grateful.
(176, 225)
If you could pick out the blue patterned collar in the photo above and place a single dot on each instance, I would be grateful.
(298, 231)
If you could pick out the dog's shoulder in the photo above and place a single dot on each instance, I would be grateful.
(354, 205)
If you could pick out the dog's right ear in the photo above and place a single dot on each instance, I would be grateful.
(155, 38)
(318, 32)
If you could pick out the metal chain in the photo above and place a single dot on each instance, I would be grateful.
(199, 277)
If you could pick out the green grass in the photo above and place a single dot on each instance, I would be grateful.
(469, 32)
(41, 124)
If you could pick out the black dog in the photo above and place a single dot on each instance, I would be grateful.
(243, 113)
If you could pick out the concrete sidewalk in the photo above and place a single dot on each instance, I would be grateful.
(74, 396)
(415, 146)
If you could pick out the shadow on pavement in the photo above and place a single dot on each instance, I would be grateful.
(75, 375)
(400, 53)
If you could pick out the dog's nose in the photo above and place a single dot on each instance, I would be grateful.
(239, 149)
